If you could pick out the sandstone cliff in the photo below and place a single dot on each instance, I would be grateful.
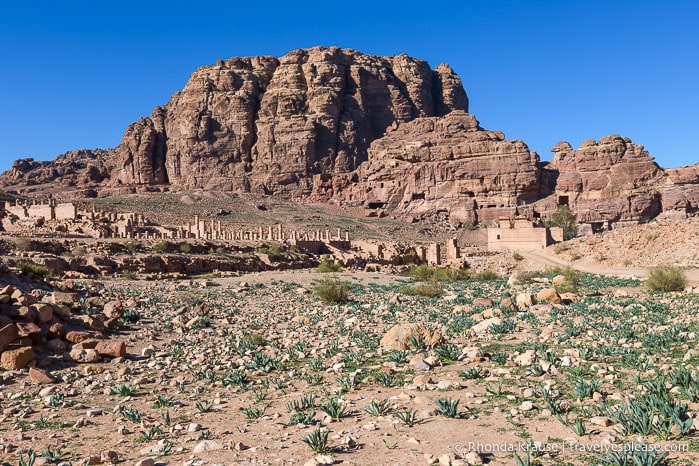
(441, 165)
(386, 133)
(264, 124)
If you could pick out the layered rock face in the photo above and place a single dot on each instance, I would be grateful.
(77, 168)
(613, 180)
(446, 166)
(267, 125)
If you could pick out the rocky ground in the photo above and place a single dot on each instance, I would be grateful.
(666, 241)
(241, 370)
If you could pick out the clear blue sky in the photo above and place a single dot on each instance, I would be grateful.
(76, 73)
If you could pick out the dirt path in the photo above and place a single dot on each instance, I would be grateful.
(600, 269)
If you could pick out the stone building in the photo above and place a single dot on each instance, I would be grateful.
(521, 234)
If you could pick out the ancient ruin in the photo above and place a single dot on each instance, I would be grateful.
(521, 234)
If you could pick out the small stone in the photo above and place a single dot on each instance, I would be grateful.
(146, 462)
(40, 376)
(207, 445)
(109, 456)
(603, 421)
(324, 460)
(526, 406)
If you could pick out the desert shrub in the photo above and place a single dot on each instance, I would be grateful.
(487, 275)
(31, 268)
(563, 217)
(517, 256)
(78, 251)
(432, 289)
(327, 265)
(26, 244)
(131, 246)
(184, 248)
(274, 251)
(421, 272)
(526, 276)
(561, 248)
(666, 278)
(161, 247)
(128, 274)
(332, 291)
(428, 273)
(571, 283)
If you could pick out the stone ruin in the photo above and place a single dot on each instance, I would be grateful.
(521, 234)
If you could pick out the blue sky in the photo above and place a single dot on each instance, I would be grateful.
(76, 73)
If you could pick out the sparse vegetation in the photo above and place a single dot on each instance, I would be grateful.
(666, 278)
(37, 270)
(563, 217)
(327, 265)
(332, 291)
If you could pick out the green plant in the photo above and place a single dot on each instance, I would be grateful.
(447, 353)
(317, 440)
(563, 217)
(149, 434)
(448, 407)
(378, 408)
(252, 412)
(203, 407)
(31, 268)
(487, 275)
(327, 265)
(666, 278)
(332, 291)
(184, 248)
(132, 316)
(123, 390)
(584, 389)
(517, 256)
(471, 373)
(53, 455)
(302, 418)
(131, 414)
(162, 402)
(29, 460)
(335, 408)
(161, 247)
(433, 289)
(408, 417)
(128, 274)
(639, 455)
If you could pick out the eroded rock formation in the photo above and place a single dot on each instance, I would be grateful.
(387, 133)
(444, 165)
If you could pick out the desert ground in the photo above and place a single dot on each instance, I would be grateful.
(559, 357)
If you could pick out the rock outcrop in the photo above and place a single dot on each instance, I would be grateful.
(445, 165)
(386, 133)
(613, 180)
(262, 124)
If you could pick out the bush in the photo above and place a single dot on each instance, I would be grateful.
(425, 289)
(517, 256)
(327, 265)
(275, 252)
(332, 291)
(487, 275)
(131, 246)
(666, 278)
(25, 244)
(31, 268)
(563, 217)
(426, 273)
(161, 247)
(184, 248)
(571, 283)
(526, 276)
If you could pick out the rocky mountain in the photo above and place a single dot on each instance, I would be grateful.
(387, 133)
(441, 165)
(264, 124)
